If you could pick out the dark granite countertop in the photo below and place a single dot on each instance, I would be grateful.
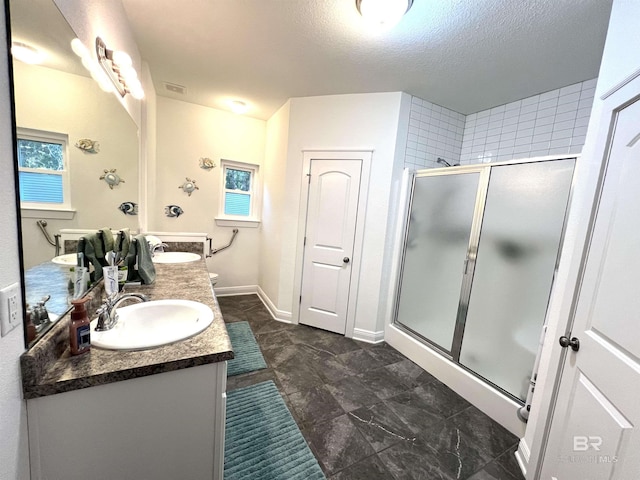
(48, 368)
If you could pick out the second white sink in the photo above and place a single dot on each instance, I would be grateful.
(151, 324)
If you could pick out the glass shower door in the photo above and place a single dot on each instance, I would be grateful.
(440, 226)
(517, 254)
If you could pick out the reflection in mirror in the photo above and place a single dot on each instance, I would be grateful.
(70, 135)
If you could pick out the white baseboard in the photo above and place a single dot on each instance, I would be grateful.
(367, 336)
(279, 315)
(241, 290)
(522, 456)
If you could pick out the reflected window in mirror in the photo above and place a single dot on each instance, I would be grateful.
(43, 169)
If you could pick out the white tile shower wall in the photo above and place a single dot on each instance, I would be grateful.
(551, 123)
(434, 132)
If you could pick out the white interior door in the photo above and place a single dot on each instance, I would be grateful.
(332, 210)
(594, 432)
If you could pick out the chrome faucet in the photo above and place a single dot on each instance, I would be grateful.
(107, 313)
(158, 247)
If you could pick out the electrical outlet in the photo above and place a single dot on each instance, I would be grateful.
(9, 308)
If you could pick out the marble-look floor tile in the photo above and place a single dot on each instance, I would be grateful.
(271, 340)
(371, 468)
(315, 404)
(360, 360)
(332, 370)
(337, 344)
(296, 375)
(383, 382)
(410, 373)
(417, 412)
(457, 453)
(381, 426)
(351, 393)
(386, 354)
(509, 463)
(337, 443)
(484, 432)
(441, 398)
(413, 461)
(310, 335)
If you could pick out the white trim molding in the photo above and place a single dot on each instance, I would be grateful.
(279, 315)
(522, 456)
(368, 336)
(240, 290)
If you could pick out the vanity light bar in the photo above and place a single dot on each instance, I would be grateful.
(119, 68)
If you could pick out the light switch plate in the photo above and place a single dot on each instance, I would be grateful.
(9, 308)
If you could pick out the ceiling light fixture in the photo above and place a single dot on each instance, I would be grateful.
(238, 106)
(26, 53)
(119, 68)
(383, 13)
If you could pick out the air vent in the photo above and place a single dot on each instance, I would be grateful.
(175, 88)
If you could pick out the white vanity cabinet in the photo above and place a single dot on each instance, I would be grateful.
(165, 426)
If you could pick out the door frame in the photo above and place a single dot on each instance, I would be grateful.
(365, 157)
(532, 449)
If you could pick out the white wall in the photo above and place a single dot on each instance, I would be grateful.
(73, 105)
(274, 176)
(185, 133)
(14, 448)
(343, 122)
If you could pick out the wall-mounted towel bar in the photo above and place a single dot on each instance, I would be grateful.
(213, 251)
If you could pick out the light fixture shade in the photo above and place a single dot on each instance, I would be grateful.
(26, 53)
(384, 13)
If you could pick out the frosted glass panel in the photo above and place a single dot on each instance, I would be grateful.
(437, 243)
(519, 240)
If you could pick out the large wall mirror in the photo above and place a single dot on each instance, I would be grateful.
(59, 108)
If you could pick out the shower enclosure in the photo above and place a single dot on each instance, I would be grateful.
(480, 252)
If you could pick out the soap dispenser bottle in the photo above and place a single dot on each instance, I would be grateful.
(79, 328)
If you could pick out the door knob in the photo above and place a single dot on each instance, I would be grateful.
(345, 259)
(574, 343)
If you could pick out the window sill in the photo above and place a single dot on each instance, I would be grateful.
(56, 214)
(237, 222)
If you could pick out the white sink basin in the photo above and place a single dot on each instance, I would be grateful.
(68, 259)
(152, 324)
(175, 257)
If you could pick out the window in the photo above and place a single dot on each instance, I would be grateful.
(239, 193)
(42, 170)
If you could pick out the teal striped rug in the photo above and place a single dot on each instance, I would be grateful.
(247, 354)
(263, 440)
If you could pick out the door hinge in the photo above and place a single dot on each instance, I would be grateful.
(309, 177)
(300, 298)
(304, 244)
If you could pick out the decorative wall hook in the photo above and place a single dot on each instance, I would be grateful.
(87, 145)
(189, 186)
(206, 163)
(173, 211)
(111, 177)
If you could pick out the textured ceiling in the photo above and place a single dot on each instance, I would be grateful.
(466, 55)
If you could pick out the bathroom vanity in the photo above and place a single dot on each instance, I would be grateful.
(150, 414)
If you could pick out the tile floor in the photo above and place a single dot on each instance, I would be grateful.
(367, 411)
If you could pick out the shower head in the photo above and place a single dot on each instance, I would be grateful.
(442, 161)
